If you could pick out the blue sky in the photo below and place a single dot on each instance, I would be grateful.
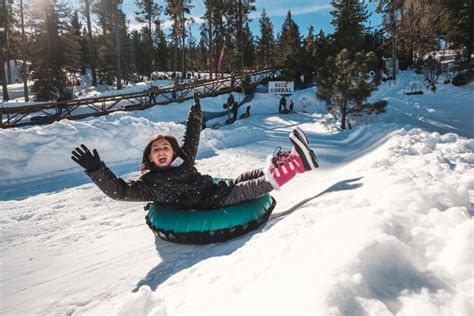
(304, 12)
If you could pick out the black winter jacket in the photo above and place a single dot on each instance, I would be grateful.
(181, 186)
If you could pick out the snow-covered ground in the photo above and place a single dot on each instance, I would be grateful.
(383, 227)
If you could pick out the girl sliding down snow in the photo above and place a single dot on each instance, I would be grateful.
(170, 177)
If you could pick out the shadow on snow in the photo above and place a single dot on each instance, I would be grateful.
(178, 257)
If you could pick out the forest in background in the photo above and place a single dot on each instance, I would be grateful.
(58, 41)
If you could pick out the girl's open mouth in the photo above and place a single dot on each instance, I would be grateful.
(162, 160)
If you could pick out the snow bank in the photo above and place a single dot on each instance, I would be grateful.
(394, 241)
(45, 149)
(144, 302)
(420, 216)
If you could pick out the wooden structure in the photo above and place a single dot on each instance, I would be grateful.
(45, 113)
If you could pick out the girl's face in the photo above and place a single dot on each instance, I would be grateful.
(161, 153)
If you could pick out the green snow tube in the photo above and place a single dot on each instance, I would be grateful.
(208, 226)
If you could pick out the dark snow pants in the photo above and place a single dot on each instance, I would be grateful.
(248, 186)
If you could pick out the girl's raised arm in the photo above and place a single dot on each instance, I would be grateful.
(193, 132)
(113, 186)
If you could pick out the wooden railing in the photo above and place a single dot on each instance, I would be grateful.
(45, 113)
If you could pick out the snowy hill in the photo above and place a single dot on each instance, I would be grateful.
(383, 227)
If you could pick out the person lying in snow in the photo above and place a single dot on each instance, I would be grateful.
(168, 174)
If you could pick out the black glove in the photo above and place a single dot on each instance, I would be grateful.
(85, 158)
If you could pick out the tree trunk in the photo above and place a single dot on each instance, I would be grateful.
(239, 36)
(175, 54)
(9, 68)
(183, 45)
(24, 70)
(3, 78)
(91, 44)
(209, 61)
(150, 50)
(394, 43)
(118, 66)
(343, 115)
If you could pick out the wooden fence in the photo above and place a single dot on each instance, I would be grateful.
(45, 113)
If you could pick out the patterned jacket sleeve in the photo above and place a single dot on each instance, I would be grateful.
(193, 132)
(117, 189)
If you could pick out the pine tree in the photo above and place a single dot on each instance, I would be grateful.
(201, 51)
(177, 10)
(86, 11)
(308, 55)
(149, 13)
(161, 53)
(266, 42)
(345, 84)
(84, 43)
(113, 40)
(349, 17)
(73, 39)
(289, 42)
(374, 41)
(322, 51)
(139, 52)
(249, 47)
(191, 48)
(459, 27)
(11, 39)
(50, 19)
(237, 16)
(215, 29)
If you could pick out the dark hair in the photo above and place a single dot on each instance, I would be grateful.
(147, 164)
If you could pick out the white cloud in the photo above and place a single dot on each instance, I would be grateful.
(296, 10)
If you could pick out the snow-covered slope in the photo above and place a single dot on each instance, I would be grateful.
(383, 227)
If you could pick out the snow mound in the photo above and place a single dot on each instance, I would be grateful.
(144, 302)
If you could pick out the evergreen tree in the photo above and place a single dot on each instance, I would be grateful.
(215, 29)
(139, 52)
(84, 43)
(290, 54)
(266, 42)
(191, 47)
(201, 51)
(11, 39)
(113, 40)
(308, 55)
(345, 84)
(161, 52)
(86, 11)
(459, 27)
(149, 13)
(237, 16)
(289, 42)
(349, 17)
(74, 43)
(177, 10)
(249, 47)
(374, 41)
(309, 43)
(50, 48)
(322, 50)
